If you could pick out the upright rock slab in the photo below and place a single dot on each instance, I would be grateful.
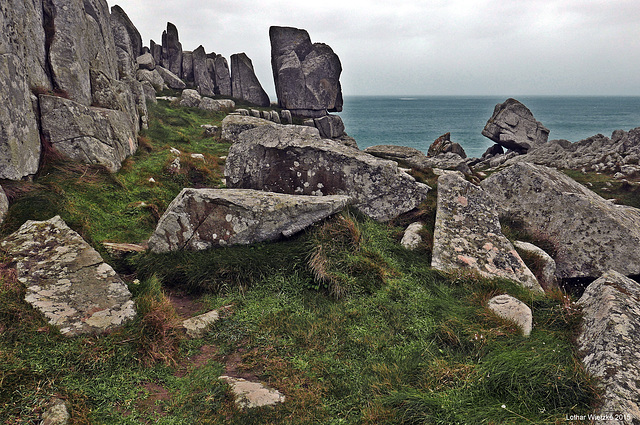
(90, 135)
(244, 83)
(590, 234)
(221, 75)
(609, 344)
(67, 280)
(201, 77)
(306, 75)
(199, 219)
(513, 126)
(128, 42)
(281, 159)
(172, 50)
(467, 234)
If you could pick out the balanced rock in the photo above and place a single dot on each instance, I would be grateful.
(417, 160)
(282, 159)
(199, 219)
(609, 343)
(590, 234)
(87, 134)
(513, 310)
(513, 126)
(467, 234)
(66, 279)
(306, 75)
(244, 83)
(170, 79)
(172, 50)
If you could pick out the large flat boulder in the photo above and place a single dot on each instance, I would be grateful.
(87, 134)
(513, 126)
(417, 160)
(66, 279)
(467, 234)
(199, 219)
(279, 158)
(244, 82)
(590, 234)
(234, 125)
(609, 343)
(306, 75)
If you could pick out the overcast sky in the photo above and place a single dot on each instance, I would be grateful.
(433, 47)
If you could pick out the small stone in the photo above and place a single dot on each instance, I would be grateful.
(412, 238)
(514, 310)
(57, 414)
(253, 394)
(196, 327)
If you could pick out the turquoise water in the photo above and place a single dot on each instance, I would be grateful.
(418, 121)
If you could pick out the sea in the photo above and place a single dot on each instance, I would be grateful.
(417, 121)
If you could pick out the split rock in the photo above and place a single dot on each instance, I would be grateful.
(279, 158)
(609, 342)
(199, 219)
(590, 234)
(514, 310)
(467, 234)
(513, 126)
(67, 280)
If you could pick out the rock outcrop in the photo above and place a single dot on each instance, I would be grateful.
(417, 160)
(66, 279)
(244, 83)
(128, 42)
(467, 234)
(597, 153)
(513, 126)
(222, 76)
(201, 76)
(279, 158)
(306, 75)
(590, 234)
(171, 50)
(200, 219)
(608, 344)
(87, 134)
(513, 310)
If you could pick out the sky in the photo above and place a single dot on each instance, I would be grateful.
(433, 47)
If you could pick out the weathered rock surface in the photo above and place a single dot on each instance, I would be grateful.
(329, 126)
(591, 235)
(411, 238)
(66, 279)
(417, 160)
(233, 125)
(127, 40)
(197, 326)
(170, 79)
(244, 83)
(172, 50)
(190, 98)
(597, 153)
(201, 76)
(4, 205)
(513, 126)
(222, 76)
(187, 66)
(467, 234)
(513, 310)
(306, 75)
(252, 394)
(86, 134)
(280, 158)
(547, 277)
(199, 219)
(56, 414)
(609, 343)
(146, 61)
(153, 77)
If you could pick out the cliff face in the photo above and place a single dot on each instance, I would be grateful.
(66, 48)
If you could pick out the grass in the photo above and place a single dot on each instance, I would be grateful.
(350, 326)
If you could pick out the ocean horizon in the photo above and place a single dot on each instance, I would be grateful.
(416, 121)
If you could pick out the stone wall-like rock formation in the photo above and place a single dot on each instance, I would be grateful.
(513, 126)
(200, 219)
(467, 234)
(306, 75)
(67, 280)
(609, 344)
(278, 158)
(591, 235)
(244, 83)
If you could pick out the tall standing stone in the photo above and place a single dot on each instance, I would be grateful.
(128, 42)
(222, 75)
(156, 52)
(245, 84)
(201, 75)
(172, 50)
(306, 75)
(187, 66)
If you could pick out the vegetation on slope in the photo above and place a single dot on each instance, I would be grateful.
(350, 326)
